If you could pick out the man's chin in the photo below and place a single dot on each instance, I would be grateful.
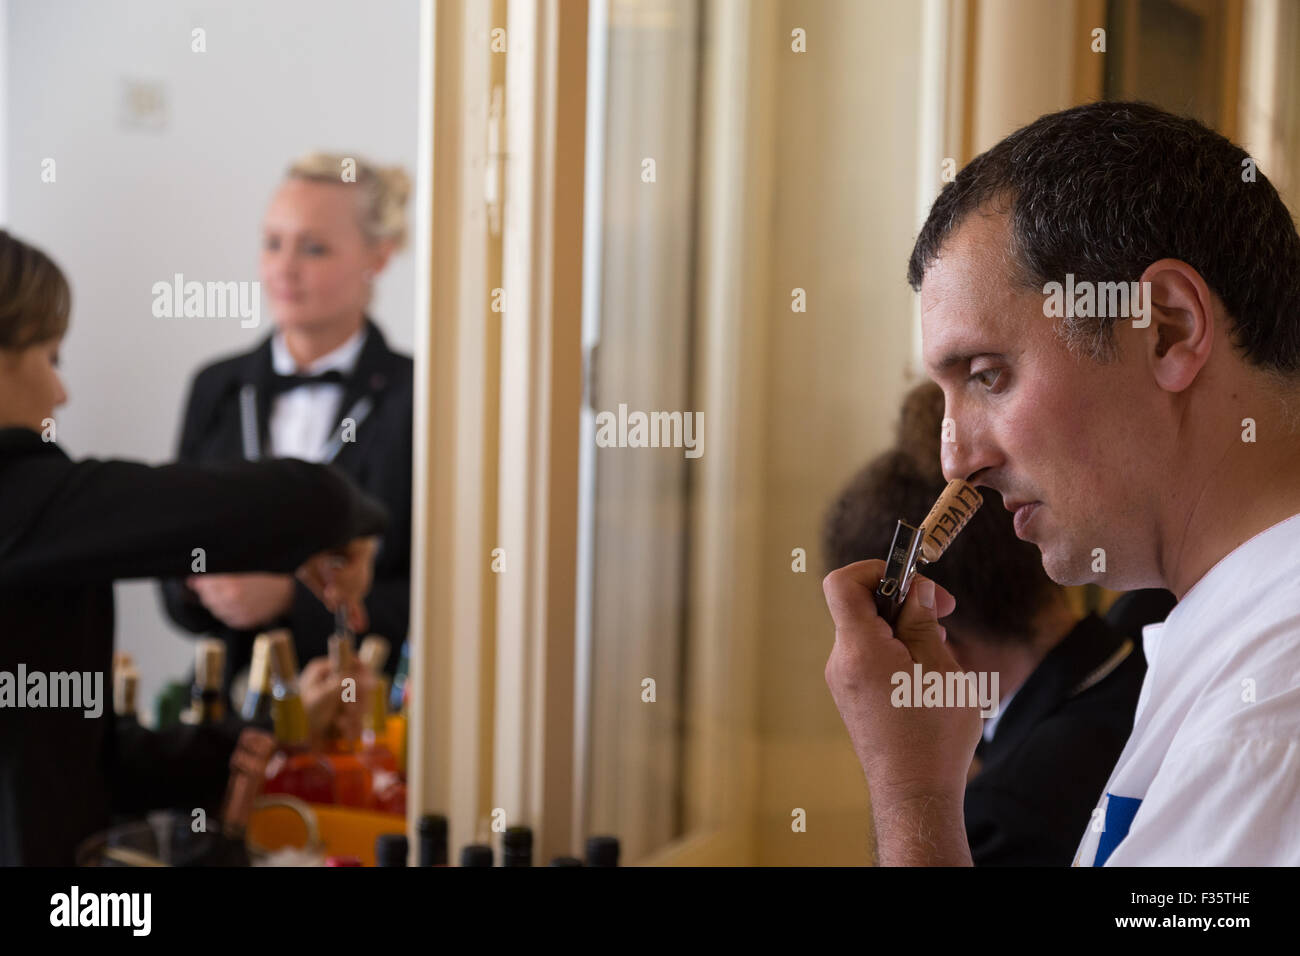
(1067, 570)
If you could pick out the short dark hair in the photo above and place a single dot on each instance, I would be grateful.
(1104, 190)
(35, 300)
(997, 579)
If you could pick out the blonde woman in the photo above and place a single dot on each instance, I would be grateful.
(325, 387)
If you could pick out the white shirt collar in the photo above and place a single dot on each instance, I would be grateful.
(991, 723)
(344, 358)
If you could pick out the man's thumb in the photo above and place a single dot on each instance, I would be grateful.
(918, 623)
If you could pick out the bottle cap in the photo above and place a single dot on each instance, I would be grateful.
(210, 664)
(374, 652)
(391, 849)
(432, 834)
(476, 854)
(602, 851)
(125, 681)
(259, 671)
(284, 663)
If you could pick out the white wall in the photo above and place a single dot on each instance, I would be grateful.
(131, 207)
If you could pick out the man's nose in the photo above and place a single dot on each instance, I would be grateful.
(962, 453)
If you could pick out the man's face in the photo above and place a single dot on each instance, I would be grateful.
(1063, 436)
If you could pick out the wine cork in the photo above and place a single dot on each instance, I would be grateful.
(283, 662)
(949, 515)
(210, 664)
(374, 652)
(341, 653)
(125, 681)
(259, 671)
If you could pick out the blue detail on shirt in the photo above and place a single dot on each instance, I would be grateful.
(1120, 812)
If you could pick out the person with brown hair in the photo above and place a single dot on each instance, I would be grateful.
(69, 529)
(1068, 684)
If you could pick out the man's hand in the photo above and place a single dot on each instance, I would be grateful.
(343, 577)
(244, 601)
(915, 758)
(321, 687)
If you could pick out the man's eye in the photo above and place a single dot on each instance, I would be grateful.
(988, 377)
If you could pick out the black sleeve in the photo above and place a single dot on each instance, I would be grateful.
(182, 604)
(111, 520)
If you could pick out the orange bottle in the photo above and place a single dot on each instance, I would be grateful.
(388, 788)
(294, 769)
(352, 784)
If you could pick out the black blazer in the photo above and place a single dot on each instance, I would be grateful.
(224, 401)
(67, 531)
(1054, 749)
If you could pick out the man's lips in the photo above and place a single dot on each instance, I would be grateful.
(1023, 511)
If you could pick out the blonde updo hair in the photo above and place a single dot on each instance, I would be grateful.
(383, 191)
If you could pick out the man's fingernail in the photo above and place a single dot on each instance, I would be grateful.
(925, 593)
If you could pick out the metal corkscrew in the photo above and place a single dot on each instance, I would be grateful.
(913, 546)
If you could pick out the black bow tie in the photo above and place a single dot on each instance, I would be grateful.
(285, 383)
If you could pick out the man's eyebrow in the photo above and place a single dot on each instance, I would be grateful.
(959, 358)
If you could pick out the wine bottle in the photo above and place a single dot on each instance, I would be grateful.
(476, 854)
(602, 851)
(391, 849)
(388, 790)
(294, 769)
(260, 696)
(517, 847)
(352, 784)
(431, 832)
(397, 696)
(125, 681)
(207, 705)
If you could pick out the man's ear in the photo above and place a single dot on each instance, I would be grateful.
(1180, 336)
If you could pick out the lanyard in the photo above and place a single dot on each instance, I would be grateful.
(249, 433)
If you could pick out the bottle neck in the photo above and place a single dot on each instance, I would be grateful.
(290, 718)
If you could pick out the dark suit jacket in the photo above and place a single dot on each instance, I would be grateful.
(1054, 749)
(379, 461)
(67, 531)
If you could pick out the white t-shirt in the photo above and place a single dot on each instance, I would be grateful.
(1210, 775)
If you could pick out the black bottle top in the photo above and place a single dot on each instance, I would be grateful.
(432, 834)
(391, 849)
(602, 851)
(517, 847)
(476, 854)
